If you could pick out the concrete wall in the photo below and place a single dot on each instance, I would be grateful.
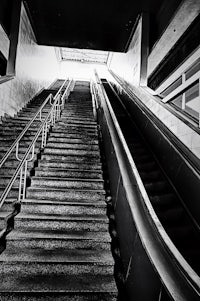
(128, 65)
(185, 134)
(183, 17)
(123, 66)
(36, 67)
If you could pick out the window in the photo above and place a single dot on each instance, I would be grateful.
(184, 93)
(189, 101)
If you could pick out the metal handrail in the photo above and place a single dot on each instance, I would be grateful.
(51, 117)
(167, 260)
(15, 143)
(67, 91)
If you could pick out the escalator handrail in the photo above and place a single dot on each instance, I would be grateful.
(178, 277)
(12, 147)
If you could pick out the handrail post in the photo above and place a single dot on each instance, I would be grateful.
(24, 183)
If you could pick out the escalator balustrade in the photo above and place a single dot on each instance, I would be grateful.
(164, 198)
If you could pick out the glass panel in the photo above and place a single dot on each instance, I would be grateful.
(178, 101)
(194, 69)
(172, 87)
(192, 100)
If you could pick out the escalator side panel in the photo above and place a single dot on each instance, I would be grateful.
(184, 178)
(138, 271)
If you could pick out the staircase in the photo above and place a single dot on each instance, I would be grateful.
(11, 127)
(60, 246)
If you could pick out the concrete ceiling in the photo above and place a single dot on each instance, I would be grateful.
(100, 25)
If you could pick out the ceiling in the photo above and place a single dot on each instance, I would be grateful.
(99, 25)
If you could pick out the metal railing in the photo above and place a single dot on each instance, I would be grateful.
(175, 273)
(57, 103)
(37, 114)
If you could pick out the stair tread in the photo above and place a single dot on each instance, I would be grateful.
(54, 217)
(57, 255)
(63, 283)
(46, 168)
(57, 203)
(65, 189)
(46, 234)
(67, 179)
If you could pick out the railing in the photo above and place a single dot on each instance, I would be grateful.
(178, 277)
(94, 99)
(53, 115)
(37, 114)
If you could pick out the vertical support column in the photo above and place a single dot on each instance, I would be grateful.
(14, 34)
(144, 52)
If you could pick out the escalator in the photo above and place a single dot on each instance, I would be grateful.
(165, 199)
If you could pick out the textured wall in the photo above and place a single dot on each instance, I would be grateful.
(123, 66)
(4, 42)
(128, 65)
(36, 67)
(184, 16)
(185, 134)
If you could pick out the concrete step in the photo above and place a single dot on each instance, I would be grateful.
(13, 163)
(59, 280)
(75, 135)
(71, 151)
(61, 296)
(79, 105)
(19, 123)
(80, 114)
(6, 179)
(91, 166)
(83, 115)
(24, 119)
(57, 222)
(76, 158)
(78, 121)
(6, 144)
(22, 150)
(66, 173)
(57, 255)
(68, 183)
(72, 124)
(81, 195)
(11, 137)
(12, 194)
(14, 132)
(75, 146)
(71, 129)
(71, 140)
(33, 206)
(31, 269)
(54, 239)
(9, 171)
(12, 156)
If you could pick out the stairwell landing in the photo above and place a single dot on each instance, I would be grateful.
(60, 246)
